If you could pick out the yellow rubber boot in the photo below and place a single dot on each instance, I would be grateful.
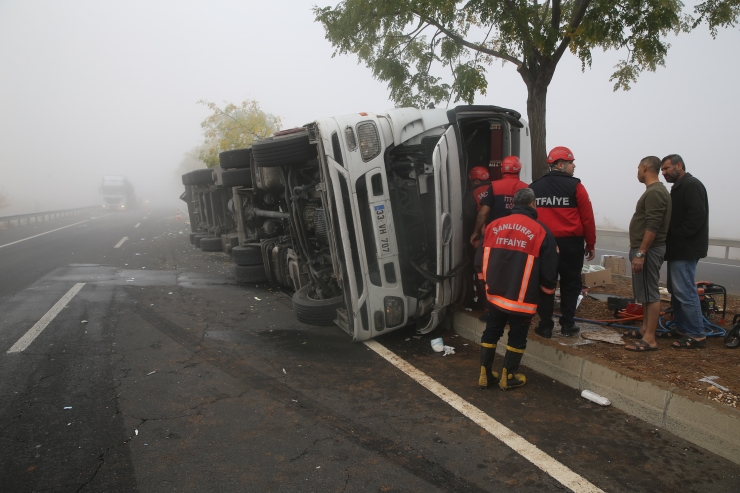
(509, 378)
(487, 354)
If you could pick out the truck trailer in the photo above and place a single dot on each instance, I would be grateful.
(361, 215)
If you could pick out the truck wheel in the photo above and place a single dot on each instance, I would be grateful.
(312, 311)
(192, 238)
(249, 254)
(290, 148)
(201, 177)
(211, 244)
(186, 179)
(197, 238)
(237, 178)
(237, 158)
(250, 273)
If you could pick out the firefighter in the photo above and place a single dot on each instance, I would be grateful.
(519, 260)
(564, 207)
(499, 197)
(478, 188)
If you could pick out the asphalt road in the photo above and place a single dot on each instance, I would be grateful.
(162, 374)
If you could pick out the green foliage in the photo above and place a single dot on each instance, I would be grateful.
(717, 13)
(234, 127)
(409, 44)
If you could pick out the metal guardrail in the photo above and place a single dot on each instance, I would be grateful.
(723, 242)
(7, 221)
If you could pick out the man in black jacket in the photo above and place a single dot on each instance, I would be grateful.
(687, 242)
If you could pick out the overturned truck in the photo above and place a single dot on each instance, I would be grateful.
(360, 215)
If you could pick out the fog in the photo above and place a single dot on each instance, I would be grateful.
(91, 88)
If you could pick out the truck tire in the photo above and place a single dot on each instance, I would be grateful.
(249, 254)
(197, 238)
(201, 177)
(192, 238)
(250, 273)
(186, 179)
(289, 149)
(236, 158)
(315, 312)
(211, 244)
(237, 177)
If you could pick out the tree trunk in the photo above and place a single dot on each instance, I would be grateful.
(536, 113)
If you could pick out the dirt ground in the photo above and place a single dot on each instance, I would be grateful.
(682, 368)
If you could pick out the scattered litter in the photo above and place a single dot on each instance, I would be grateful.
(294, 400)
(416, 337)
(604, 335)
(130, 280)
(151, 373)
(710, 381)
(594, 397)
(152, 304)
(258, 299)
(449, 350)
(68, 407)
(407, 339)
(143, 267)
(143, 239)
(84, 321)
(318, 467)
(138, 254)
(136, 432)
(468, 309)
(285, 372)
(438, 345)
(464, 344)
(170, 292)
(69, 424)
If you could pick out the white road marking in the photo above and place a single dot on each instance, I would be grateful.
(137, 225)
(40, 234)
(700, 261)
(558, 471)
(121, 242)
(34, 331)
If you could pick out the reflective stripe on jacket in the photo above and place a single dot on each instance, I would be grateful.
(519, 259)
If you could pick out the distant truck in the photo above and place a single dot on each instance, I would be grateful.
(118, 193)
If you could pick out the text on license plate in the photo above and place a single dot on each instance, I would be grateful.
(382, 224)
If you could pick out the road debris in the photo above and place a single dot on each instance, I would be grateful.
(710, 381)
(438, 345)
(151, 373)
(594, 397)
(67, 407)
(83, 321)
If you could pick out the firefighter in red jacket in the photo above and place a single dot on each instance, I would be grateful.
(519, 260)
(564, 207)
(499, 197)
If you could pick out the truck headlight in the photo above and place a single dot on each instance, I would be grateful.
(367, 133)
(393, 311)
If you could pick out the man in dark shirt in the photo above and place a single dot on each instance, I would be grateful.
(648, 231)
(688, 241)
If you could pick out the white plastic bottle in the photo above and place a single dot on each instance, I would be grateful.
(594, 397)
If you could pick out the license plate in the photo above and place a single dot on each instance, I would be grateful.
(381, 221)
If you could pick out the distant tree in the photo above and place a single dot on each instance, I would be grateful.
(407, 43)
(234, 127)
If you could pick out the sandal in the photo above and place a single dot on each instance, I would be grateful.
(687, 342)
(640, 346)
(633, 334)
(671, 334)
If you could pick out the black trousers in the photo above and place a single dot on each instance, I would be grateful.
(570, 264)
(518, 327)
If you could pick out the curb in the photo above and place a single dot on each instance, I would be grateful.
(707, 424)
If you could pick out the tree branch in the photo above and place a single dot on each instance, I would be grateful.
(470, 45)
(555, 21)
(578, 16)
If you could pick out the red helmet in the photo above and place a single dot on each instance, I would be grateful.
(478, 173)
(559, 152)
(511, 164)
